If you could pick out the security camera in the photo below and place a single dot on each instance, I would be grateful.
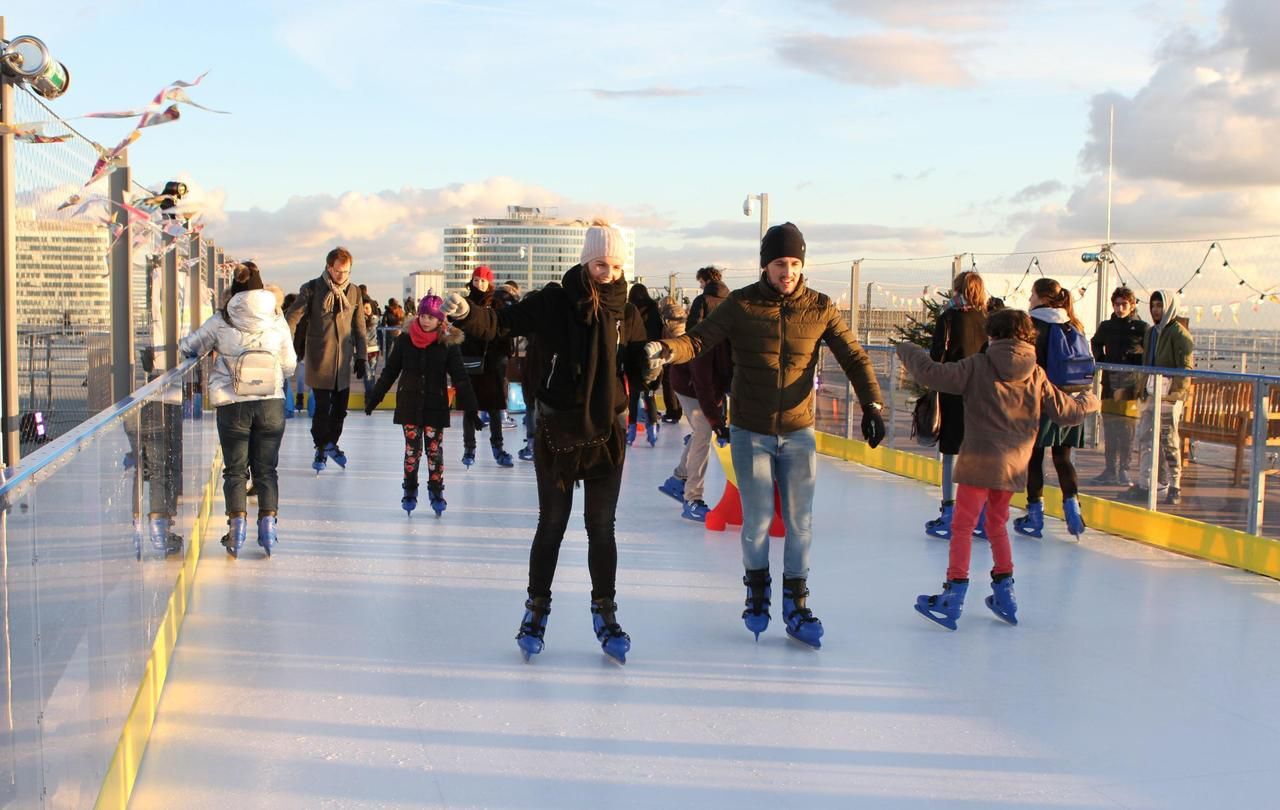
(746, 206)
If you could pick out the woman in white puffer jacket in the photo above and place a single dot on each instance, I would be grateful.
(246, 386)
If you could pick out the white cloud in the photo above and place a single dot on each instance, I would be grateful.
(888, 59)
(940, 15)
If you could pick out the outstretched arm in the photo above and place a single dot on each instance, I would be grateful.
(949, 378)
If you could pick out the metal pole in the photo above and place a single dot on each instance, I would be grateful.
(219, 285)
(10, 416)
(889, 400)
(122, 332)
(957, 266)
(870, 284)
(211, 265)
(170, 312)
(1153, 479)
(764, 215)
(1258, 465)
(530, 273)
(855, 279)
(194, 283)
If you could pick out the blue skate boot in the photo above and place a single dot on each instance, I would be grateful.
(237, 532)
(409, 501)
(468, 457)
(320, 461)
(802, 625)
(980, 531)
(502, 457)
(334, 452)
(940, 526)
(1001, 601)
(526, 452)
(695, 510)
(267, 533)
(533, 626)
(651, 432)
(160, 532)
(944, 608)
(438, 503)
(1071, 511)
(631, 434)
(673, 487)
(615, 643)
(1032, 523)
(756, 616)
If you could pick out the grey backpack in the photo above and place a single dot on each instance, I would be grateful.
(254, 371)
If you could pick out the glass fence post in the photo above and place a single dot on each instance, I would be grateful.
(848, 409)
(1153, 474)
(1258, 464)
(893, 388)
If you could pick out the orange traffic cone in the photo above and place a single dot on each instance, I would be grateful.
(729, 512)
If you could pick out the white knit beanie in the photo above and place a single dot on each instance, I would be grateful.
(603, 240)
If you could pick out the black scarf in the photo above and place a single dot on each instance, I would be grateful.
(587, 441)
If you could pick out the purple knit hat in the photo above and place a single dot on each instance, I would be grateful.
(432, 305)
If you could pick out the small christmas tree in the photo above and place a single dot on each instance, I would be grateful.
(920, 332)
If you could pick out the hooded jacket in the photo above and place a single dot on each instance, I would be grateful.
(1174, 348)
(256, 323)
(774, 341)
(1005, 392)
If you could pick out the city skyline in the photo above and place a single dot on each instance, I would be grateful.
(882, 129)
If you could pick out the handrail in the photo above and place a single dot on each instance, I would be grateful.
(1164, 371)
(14, 479)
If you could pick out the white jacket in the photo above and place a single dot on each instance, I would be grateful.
(257, 325)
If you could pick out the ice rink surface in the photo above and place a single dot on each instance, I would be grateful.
(372, 663)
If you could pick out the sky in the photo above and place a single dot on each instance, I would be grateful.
(883, 128)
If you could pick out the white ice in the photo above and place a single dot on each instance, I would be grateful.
(372, 663)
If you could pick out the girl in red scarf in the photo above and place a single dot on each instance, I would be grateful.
(424, 358)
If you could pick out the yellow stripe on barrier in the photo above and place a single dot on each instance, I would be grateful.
(1193, 538)
(117, 785)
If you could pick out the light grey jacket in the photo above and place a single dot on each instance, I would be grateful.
(257, 325)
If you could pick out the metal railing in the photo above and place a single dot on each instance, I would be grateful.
(1214, 496)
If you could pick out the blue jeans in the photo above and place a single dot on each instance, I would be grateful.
(250, 434)
(792, 460)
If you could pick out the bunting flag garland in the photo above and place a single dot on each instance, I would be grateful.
(1235, 312)
(1216, 309)
(1199, 311)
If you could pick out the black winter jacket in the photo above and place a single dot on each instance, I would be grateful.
(423, 395)
(1119, 340)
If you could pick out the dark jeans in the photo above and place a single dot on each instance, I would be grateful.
(331, 413)
(1119, 441)
(250, 433)
(1066, 473)
(554, 508)
(469, 431)
(155, 439)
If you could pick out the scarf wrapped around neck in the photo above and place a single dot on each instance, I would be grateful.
(421, 337)
(588, 442)
(336, 298)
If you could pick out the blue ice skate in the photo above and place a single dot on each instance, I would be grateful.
(1001, 601)
(1071, 511)
(1032, 523)
(267, 533)
(334, 452)
(651, 432)
(756, 616)
(631, 434)
(526, 452)
(940, 526)
(409, 501)
(695, 510)
(944, 608)
(615, 643)
(160, 533)
(237, 533)
(533, 626)
(319, 462)
(673, 487)
(502, 457)
(802, 625)
(438, 503)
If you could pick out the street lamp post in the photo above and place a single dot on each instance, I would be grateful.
(526, 252)
(764, 210)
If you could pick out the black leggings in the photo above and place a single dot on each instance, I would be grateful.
(633, 406)
(554, 507)
(1061, 463)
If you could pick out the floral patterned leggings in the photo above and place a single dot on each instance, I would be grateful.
(414, 438)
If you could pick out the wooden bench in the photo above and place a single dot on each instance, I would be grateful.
(1222, 413)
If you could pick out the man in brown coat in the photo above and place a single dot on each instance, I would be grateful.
(335, 342)
(774, 327)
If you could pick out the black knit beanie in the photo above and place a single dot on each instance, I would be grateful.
(781, 241)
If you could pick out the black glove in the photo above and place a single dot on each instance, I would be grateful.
(722, 434)
(476, 422)
(872, 425)
(362, 368)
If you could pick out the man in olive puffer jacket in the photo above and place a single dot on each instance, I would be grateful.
(774, 327)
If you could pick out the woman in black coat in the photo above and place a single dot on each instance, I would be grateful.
(424, 358)
(589, 337)
(486, 361)
(651, 317)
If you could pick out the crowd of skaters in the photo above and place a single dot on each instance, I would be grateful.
(590, 352)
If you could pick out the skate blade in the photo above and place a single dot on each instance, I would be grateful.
(1038, 535)
(816, 645)
(619, 661)
(941, 622)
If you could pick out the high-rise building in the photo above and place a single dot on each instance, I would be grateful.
(62, 272)
(530, 245)
(420, 283)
